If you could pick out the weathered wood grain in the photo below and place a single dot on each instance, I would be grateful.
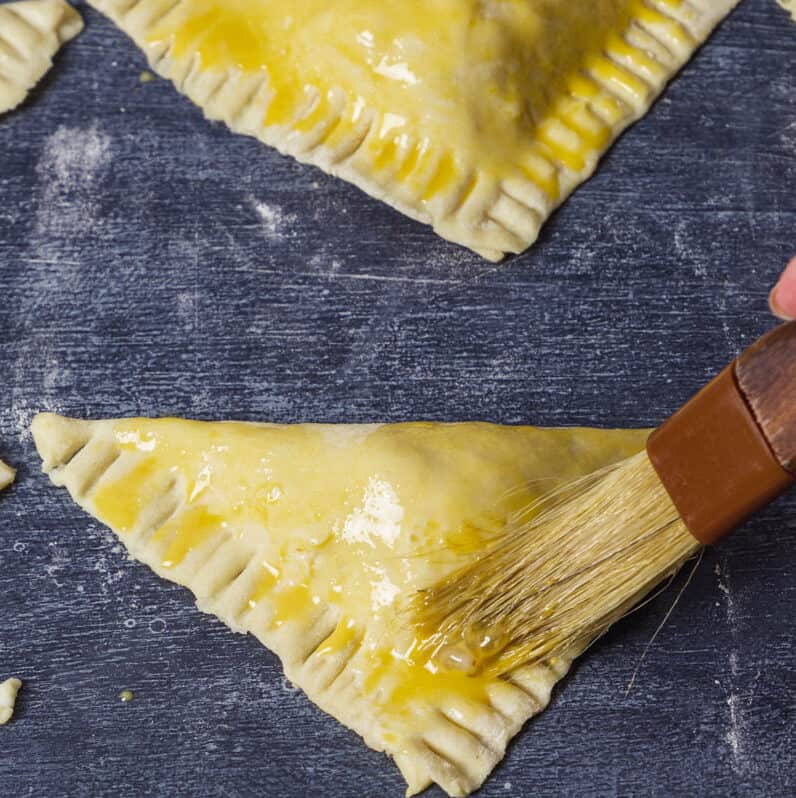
(766, 374)
(151, 262)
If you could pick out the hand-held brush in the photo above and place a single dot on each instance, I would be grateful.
(585, 554)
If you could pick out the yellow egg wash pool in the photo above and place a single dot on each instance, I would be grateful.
(477, 116)
(314, 538)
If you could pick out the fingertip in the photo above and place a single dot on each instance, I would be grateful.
(782, 298)
(773, 305)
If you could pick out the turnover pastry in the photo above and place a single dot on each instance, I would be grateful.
(475, 116)
(311, 537)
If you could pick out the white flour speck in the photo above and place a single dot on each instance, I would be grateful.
(383, 591)
(733, 663)
(59, 560)
(736, 733)
(724, 586)
(379, 516)
(110, 575)
(686, 252)
(22, 415)
(733, 735)
(188, 309)
(276, 223)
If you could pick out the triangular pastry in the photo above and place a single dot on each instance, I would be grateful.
(310, 536)
(478, 117)
(31, 33)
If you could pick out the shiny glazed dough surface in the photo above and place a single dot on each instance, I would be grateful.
(476, 116)
(313, 537)
(478, 75)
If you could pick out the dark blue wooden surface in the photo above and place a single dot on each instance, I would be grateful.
(153, 263)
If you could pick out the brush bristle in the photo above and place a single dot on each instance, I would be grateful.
(566, 570)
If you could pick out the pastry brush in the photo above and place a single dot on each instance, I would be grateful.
(582, 556)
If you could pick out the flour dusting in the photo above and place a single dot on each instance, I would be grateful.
(738, 701)
(686, 252)
(75, 155)
(383, 590)
(188, 309)
(276, 223)
(379, 517)
(21, 416)
(734, 737)
(729, 601)
(69, 173)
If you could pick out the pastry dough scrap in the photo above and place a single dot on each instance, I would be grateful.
(310, 536)
(31, 33)
(8, 697)
(7, 475)
(478, 117)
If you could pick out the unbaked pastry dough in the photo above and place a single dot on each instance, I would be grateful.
(8, 697)
(789, 5)
(310, 537)
(31, 33)
(476, 116)
(7, 475)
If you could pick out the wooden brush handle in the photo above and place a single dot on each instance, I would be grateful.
(766, 374)
(731, 449)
